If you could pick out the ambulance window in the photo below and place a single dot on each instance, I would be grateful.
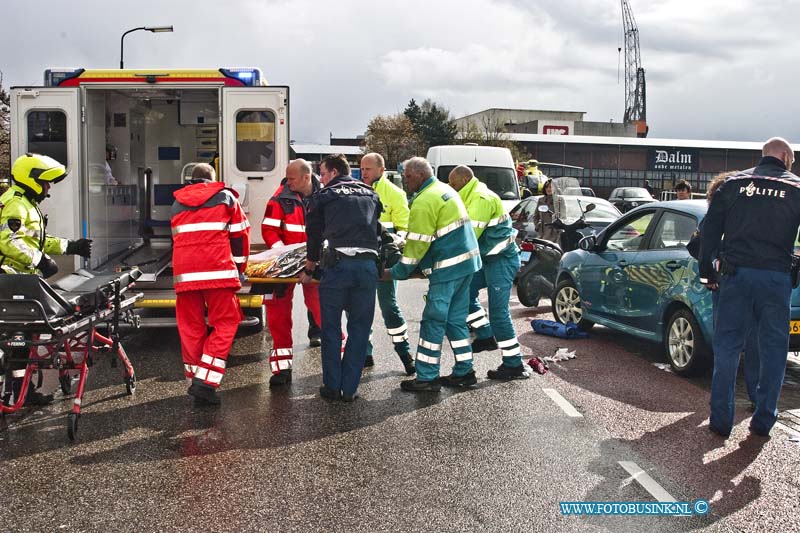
(47, 134)
(255, 140)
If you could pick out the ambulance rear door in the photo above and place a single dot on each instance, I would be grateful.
(254, 146)
(46, 120)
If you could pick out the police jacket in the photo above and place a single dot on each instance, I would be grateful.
(758, 212)
(211, 238)
(285, 216)
(440, 240)
(346, 213)
(23, 240)
(492, 225)
(394, 216)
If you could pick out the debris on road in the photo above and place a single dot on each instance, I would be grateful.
(556, 329)
(561, 354)
(538, 366)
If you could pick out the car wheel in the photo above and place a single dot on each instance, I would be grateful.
(259, 313)
(568, 307)
(686, 349)
(532, 287)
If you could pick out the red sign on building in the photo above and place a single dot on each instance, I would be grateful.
(555, 130)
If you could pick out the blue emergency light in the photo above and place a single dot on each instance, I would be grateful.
(249, 76)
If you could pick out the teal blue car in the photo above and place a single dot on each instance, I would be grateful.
(637, 277)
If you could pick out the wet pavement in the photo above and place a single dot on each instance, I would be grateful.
(499, 457)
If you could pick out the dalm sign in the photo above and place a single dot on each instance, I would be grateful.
(678, 159)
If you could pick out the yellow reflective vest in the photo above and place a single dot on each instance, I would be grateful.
(395, 205)
(23, 239)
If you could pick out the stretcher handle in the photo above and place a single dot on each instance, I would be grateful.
(276, 280)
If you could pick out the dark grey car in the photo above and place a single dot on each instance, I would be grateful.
(626, 198)
(601, 216)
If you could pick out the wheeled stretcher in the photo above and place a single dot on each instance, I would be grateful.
(45, 326)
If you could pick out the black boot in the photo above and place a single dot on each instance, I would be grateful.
(467, 380)
(203, 394)
(32, 397)
(329, 394)
(415, 385)
(507, 373)
(484, 345)
(408, 365)
(281, 378)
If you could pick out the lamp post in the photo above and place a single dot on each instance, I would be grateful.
(152, 29)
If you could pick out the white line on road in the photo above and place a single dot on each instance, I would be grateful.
(649, 484)
(562, 403)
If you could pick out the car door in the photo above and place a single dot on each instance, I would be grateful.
(603, 276)
(659, 270)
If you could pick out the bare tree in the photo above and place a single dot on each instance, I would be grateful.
(393, 137)
(5, 132)
(490, 132)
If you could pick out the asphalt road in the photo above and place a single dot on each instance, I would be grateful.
(499, 457)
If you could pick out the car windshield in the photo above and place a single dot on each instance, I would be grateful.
(501, 181)
(600, 212)
(637, 193)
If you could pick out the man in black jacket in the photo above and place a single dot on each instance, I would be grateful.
(345, 212)
(758, 212)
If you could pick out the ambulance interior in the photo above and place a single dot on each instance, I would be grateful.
(139, 142)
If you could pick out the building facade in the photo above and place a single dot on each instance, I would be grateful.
(610, 162)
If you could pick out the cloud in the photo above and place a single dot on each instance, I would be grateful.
(715, 68)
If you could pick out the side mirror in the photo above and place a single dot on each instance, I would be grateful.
(588, 243)
(543, 209)
(526, 193)
(589, 208)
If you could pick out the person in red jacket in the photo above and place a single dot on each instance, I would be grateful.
(211, 242)
(285, 223)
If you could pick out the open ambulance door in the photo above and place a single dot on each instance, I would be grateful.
(254, 146)
(46, 120)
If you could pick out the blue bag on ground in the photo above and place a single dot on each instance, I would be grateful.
(556, 329)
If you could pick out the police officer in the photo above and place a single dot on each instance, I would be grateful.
(25, 247)
(442, 244)
(758, 212)
(500, 257)
(394, 219)
(345, 213)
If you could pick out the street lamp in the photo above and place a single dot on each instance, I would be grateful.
(152, 29)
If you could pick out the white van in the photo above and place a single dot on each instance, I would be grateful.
(492, 165)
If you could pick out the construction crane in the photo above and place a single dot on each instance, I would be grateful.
(635, 90)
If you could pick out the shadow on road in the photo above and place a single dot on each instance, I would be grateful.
(251, 417)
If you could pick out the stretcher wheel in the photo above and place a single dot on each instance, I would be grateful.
(130, 384)
(72, 425)
(66, 383)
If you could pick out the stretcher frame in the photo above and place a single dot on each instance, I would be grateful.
(66, 343)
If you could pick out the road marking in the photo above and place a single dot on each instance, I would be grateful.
(563, 403)
(649, 484)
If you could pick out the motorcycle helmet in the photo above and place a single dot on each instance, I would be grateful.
(31, 171)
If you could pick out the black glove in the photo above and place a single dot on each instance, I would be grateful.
(47, 266)
(81, 247)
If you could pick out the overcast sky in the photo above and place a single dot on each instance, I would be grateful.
(716, 69)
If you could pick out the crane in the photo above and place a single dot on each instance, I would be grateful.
(635, 89)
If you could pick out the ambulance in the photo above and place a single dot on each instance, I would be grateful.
(129, 139)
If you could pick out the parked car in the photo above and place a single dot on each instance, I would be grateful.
(580, 191)
(626, 198)
(638, 278)
(597, 219)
